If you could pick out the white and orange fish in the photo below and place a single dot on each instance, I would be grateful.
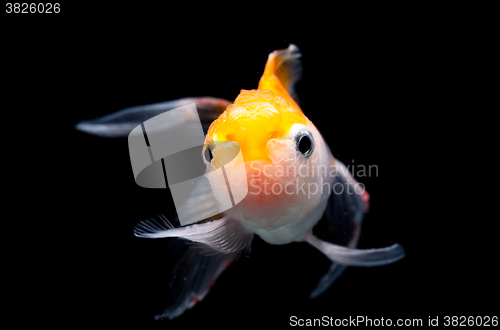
(291, 180)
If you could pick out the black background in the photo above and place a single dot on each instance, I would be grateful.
(382, 92)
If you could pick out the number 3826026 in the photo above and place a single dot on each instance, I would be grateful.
(32, 8)
(462, 321)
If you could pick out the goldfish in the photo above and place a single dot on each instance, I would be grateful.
(292, 181)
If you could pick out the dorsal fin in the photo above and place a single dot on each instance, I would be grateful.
(283, 69)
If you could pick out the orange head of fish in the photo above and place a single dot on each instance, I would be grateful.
(256, 117)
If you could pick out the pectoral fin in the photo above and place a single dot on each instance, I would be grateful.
(355, 257)
(341, 228)
(212, 246)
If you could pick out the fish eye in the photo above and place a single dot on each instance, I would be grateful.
(303, 138)
(305, 144)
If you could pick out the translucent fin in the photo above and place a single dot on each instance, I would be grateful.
(212, 247)
(354, 257)
(283, 69)
(223, 235)
(331, 275)
(120, 123)
(153, 225)
(344, 215)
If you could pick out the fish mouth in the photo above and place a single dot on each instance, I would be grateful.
(261, 207)
(265, 178)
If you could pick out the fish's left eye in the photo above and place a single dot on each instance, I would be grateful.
(304, 143)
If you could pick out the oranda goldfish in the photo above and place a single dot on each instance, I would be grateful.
(280, 146)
